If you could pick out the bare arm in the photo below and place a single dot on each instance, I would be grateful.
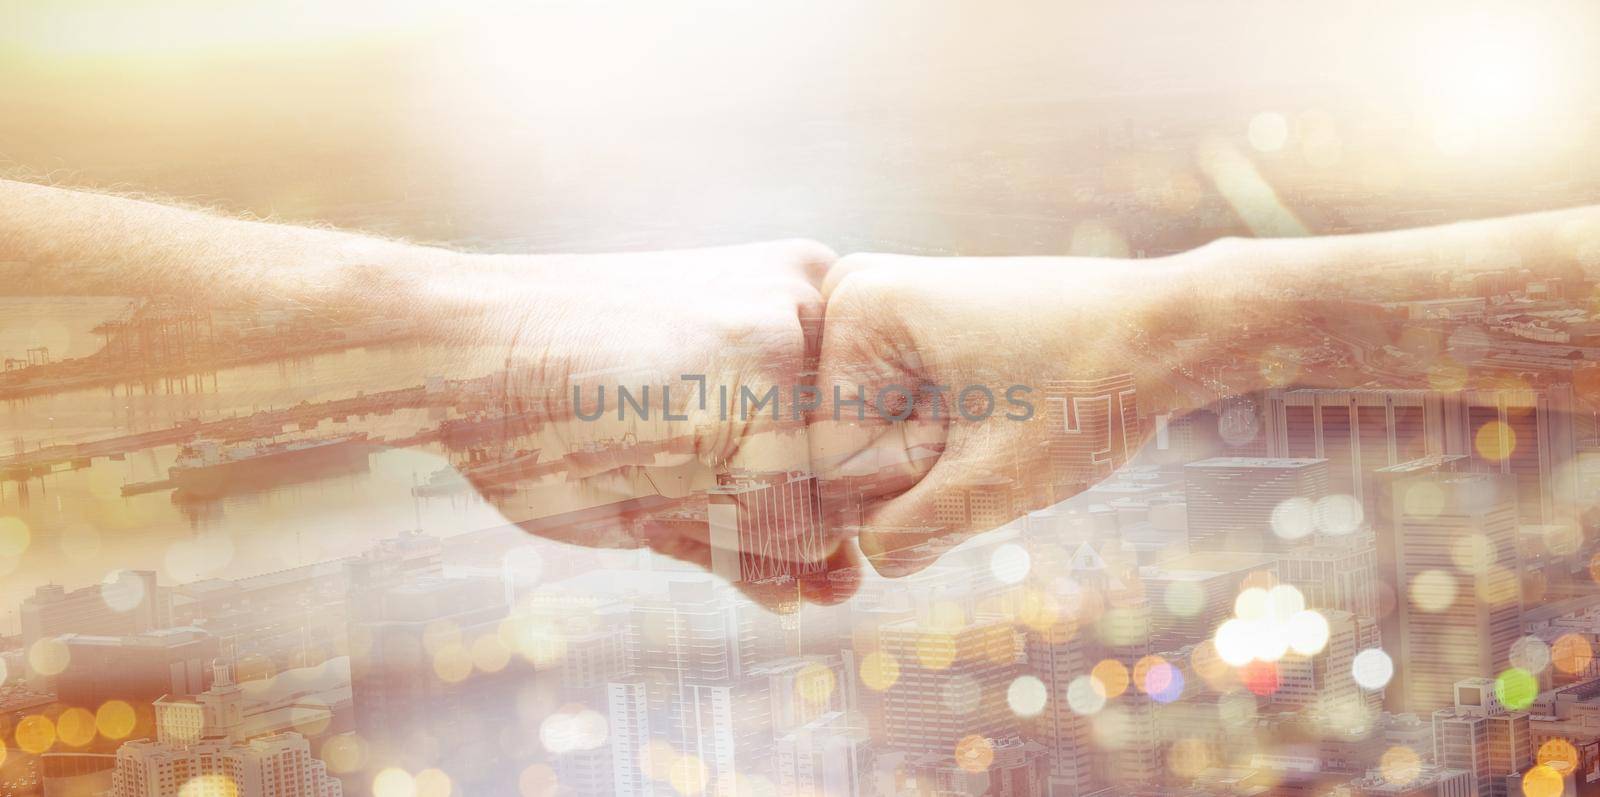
(1560, 243)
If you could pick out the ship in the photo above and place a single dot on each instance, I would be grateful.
(211, 468)
(489, 476)
(484, 425)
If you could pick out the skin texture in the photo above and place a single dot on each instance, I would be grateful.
(908, 321)
(749, 316)
(738, 316)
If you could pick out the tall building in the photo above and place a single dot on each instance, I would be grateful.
(1191, 595)
(137, 669)
(952, 683)
(129, 604)
(1458, 569)
(1019, 769)
(766, 526)
(825, 757)
(1357, 431)
(1233, 502)
(271, 766)
(1480, 735)
(628, 715)
(1324, 681)
(1527, 435)
(421, 699)
(697, 655)
(1335, 572)
(1093, 428)
(199, 750)
(1059, 652)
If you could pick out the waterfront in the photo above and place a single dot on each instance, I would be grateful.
(82, 527)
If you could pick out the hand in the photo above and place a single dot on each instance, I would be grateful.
(674, 329)
(985, 347)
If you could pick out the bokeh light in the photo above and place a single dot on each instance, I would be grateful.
(35, 734)
(879, 670)
(394, 782)
(974, 753)
(1400, 765)
(1433, 590)
(1112, 677)
(1009, 563)
(1027, 696)
(75, 727)
(1372, 669)
(1543, 780)
(1571, 654)
(1516, 688)
(1084, 696)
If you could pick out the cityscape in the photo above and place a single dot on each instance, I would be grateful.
(1339, 540)
(1364, 591)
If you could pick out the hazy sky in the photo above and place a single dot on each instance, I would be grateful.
(293, 109)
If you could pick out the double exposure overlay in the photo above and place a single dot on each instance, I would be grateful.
(817, 400)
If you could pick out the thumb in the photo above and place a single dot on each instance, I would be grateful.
(971, 488)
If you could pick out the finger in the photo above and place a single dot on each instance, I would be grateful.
(969, 489)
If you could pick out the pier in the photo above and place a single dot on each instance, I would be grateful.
(50, 459)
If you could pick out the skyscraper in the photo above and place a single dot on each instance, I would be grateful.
(1527, 435)
(1323, 680)
(1191, 595)
(1064, 650)
(421, 699)
(1233, 502)
(1357, 431)
(765, 526)
(953, 676)
(1457, 568)
(1335, 572)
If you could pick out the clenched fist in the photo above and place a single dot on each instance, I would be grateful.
(991, 387)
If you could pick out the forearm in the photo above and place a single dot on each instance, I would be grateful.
(77, 241)
(1266, 300)
(1562, 243)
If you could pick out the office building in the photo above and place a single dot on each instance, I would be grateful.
(1529, 436)
(421, 699)
(1335, 572)
(1190, 595)
(1430, 781)
(765, 526)
(941, 665)
(1451, 623)
(1482, 736)
(1323, 681)
(979, 504)
(1356, 431)
(1233, 502)
(200, 749)
(1059, 651)
(128, 603)
(825, 757)
(137, 669)
(1526, 434)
